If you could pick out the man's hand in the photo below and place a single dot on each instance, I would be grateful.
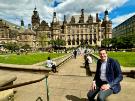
(105, 87)
(93, 87)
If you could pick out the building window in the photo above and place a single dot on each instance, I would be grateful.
(26, 37)
(90, 39)
(2, 35)
(77, 30)
(85, 30)
(77, 41)
(73, 42)
(95, 39)
(82, 36)
(95, 30)
(69, 42)
(81, 30)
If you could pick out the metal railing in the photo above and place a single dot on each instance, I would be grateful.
(22, 84)
(37, 80)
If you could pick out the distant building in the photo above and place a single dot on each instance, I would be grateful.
(76, 30)
(125, 28)
(83, 31)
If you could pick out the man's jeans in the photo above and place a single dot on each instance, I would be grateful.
(101, 94)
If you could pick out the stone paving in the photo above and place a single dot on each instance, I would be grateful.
(71, 83)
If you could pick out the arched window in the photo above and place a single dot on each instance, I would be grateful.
(73, 42)
(69, 41)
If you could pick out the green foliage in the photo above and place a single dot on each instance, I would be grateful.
(124, 42)
(28, 59)
(106, 42)
(26, 46)
(42, 37)
(11, 46)
(121, 42)
(58, 42)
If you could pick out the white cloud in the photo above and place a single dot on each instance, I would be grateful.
(118, 20)
(12, 9)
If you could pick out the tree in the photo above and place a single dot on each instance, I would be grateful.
(12, 47)
(123, 42)
(26, 47)
(127, 42)
(58, 42)
(113, 42)
(42, 37)
(106, 43)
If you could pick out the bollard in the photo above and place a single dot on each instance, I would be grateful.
(47, 89)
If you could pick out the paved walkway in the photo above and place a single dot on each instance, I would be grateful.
(71, 83)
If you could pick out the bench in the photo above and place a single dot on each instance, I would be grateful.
(7, 80)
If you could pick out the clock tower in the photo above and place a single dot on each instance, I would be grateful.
(35, 19)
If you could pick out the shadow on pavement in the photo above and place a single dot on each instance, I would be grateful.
(82, 67)
(88, 73)
(74, 98)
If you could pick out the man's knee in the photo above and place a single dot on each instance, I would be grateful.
(90, 96)
(100, 97)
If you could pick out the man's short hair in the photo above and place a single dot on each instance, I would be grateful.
(102, 49)
(48, 58)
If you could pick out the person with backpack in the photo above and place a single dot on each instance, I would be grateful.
(51, 64)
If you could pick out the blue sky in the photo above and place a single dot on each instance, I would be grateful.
(15, 10)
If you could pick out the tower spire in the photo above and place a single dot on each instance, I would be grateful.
(106, 17)
(22, 22)
(35, 6)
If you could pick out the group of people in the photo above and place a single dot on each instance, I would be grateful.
(107, 77)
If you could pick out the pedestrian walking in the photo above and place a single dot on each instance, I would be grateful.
(75, 53)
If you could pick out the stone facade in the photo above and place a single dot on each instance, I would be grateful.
(84, 31)
(75, 31)
(10, 33)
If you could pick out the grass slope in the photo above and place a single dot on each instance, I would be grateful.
(126, 59)
(28, 59)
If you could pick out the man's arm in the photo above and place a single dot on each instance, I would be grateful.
(117, 74)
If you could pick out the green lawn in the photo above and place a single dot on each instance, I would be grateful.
(126, 59)
(29, 59)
